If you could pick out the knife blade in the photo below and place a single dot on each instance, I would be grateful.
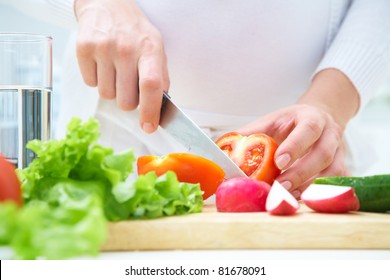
(194, 139)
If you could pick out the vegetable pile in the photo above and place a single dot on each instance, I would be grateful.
(74, 186)
(254, 154)
(250, 195)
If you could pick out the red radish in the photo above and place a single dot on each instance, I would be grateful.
(330, 198)
(280, 201)
(242, 195)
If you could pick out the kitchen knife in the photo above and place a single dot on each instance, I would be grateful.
(194, 139)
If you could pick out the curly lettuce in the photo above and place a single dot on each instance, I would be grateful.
(74, 186)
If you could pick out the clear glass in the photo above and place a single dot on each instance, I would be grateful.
(25, 94)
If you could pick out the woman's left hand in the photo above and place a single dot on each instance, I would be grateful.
(311, 144)
(310, 133)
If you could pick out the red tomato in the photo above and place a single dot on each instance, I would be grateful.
(9, 183)
(254, 154)
(189, 168)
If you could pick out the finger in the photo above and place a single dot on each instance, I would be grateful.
(337, 168)
(321, 156)
(87, 63)
(166, 80)
(150, 71)
(297, 143)
(106, 78)
(126, 81)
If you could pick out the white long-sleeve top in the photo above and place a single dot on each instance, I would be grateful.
(232, 61)
(247, 58)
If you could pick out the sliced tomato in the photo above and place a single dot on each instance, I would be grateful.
(189, 168)
(9, 183)
(254, 154)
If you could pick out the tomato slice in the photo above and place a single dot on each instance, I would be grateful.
(254, 154)
(189, 168)
(10, 189)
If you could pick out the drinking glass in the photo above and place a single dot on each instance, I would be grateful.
(25, 94)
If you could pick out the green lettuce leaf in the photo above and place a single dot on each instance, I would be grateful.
(8, 222)
(74, 186)
(73, 228)
(150, 196)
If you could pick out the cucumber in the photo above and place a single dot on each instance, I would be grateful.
(373, 191)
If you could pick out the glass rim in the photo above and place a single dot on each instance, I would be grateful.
(14, 37)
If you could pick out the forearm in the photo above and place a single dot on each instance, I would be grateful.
(332, 91)
(361, 47)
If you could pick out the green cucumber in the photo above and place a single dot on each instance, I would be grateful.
(373, 191)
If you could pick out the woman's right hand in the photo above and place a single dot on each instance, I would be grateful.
(122, 53)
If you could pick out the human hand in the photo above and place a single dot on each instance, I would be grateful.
(311, 144)
(310, 133)
(122, 53)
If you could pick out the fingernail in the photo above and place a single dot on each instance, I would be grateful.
(286, 184)
(296, 194)
(282, 161)
(148, 127)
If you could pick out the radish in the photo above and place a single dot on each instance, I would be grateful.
(280, 201)
(242, 195)
(330, 198)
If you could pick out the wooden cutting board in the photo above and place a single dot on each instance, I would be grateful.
(213, 230)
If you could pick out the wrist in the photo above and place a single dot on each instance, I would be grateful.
(332, 91)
